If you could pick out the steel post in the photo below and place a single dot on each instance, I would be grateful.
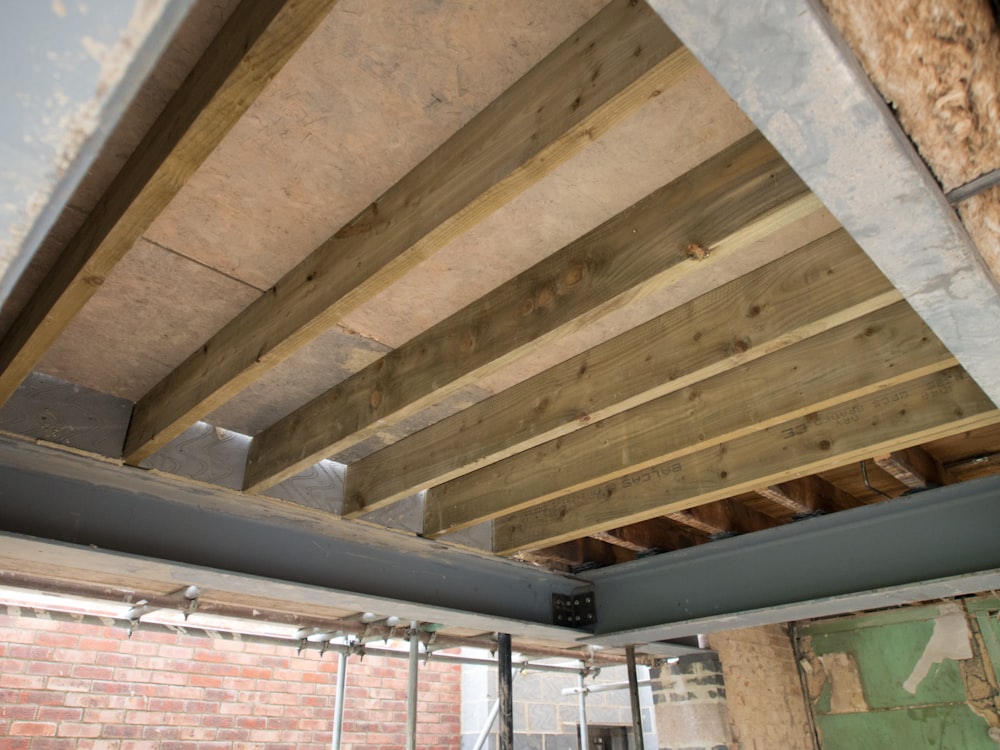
(633, 694)
(338, 711)
(505, 698)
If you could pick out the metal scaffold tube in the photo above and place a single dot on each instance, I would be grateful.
(411, 695)
(582, 698)
(338, 711)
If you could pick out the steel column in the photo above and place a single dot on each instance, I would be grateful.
(633, 694)
(492, 717)
(505, 691)
(338, 711)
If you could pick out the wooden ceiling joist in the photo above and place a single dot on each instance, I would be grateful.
(738, 196)
(723, 518)
(603, 73)
(915, 468)
(927, 408)
(645, 443)
(249, 50)
(809, 495)
(811, 290)
(654, 535)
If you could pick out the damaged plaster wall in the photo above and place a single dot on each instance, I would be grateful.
(916, 677)
(937, 64)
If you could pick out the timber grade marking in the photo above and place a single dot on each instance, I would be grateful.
(854, 413)
(590, 509)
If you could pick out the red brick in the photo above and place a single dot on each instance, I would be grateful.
(59, 713)
(32, 729)
(77, 729)
(93, 673)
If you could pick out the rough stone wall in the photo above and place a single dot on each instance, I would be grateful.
(938, 65)
(76, 686)
(764, 695)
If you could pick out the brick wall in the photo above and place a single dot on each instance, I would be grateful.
(77, 686)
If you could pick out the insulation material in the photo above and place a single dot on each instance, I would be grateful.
(938, 66)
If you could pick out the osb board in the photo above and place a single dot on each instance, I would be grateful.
(375, 89)
(45, 257)
(190, 41)
(669, 136)
(140, 322)
(938, 66)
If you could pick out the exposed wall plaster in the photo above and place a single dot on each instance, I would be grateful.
(950, 640)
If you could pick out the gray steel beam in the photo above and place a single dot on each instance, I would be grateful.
(65, 498)
(792, 74)
(62, 104)
(934, 544)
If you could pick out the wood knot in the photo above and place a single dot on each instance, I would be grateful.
(573, 275)
(543, 297)
(696, 251)
(376, 399)
(95, 280)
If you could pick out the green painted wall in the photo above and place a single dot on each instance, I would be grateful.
(858, 670)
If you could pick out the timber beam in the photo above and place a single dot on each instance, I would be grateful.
(816, 288)
(811, 494)
(926, 408)
(606, 71)
(743, 193)
(249, 50)
(791, 72)
(915, 468)
(652, 440)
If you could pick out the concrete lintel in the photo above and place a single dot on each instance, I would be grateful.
(791, 72)
(938, 543)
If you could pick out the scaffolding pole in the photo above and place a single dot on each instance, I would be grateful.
(505, 699)
(338, 711)
(583, 707)
(411, 695)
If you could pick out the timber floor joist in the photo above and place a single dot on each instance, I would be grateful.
(554, 299)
